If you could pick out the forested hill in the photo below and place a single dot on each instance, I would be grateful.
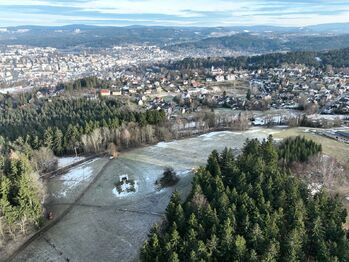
(252, 38)
(267, 42)
(338, 58)
(249, 208)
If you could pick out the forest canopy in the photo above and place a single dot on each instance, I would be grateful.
(21, 196)
(250, 208)
(61, 124)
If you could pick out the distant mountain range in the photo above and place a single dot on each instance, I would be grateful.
(251, 38)
(340, 28)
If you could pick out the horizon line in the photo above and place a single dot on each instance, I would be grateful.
(172, 26)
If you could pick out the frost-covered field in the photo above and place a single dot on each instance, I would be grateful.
(74, 178)
(105, 227)
(66, 161)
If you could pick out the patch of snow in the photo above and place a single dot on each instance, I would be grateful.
(327, 117)
(318, 59)
(123, 188)
(183, 173)
(162, 190)
(209, 136)
(73, 178)
(115, 191)
(190, 125)
(314, 188)
(166, 144)
(347, 198)
(60, 194)
(14, 90)
(162, 145)
(258, 122)
(66, 161)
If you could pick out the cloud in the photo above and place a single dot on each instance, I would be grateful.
(173, 12)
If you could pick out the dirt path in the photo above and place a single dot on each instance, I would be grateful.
(44, 229)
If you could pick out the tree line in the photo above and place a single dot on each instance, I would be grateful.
(60, 124)
(70, 126)
(250, 208)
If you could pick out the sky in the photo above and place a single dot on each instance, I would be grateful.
(173, 12)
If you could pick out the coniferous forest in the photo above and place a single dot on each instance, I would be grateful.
(61, 124)
(21, 195)
(250, 208)
(337, 58)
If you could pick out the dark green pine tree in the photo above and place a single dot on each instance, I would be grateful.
(57, 145)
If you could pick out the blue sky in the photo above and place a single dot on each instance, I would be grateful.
(173, 12)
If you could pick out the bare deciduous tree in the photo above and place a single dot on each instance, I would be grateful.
(322, 169)
(112, 150)
(125, 137)
(44, 160)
